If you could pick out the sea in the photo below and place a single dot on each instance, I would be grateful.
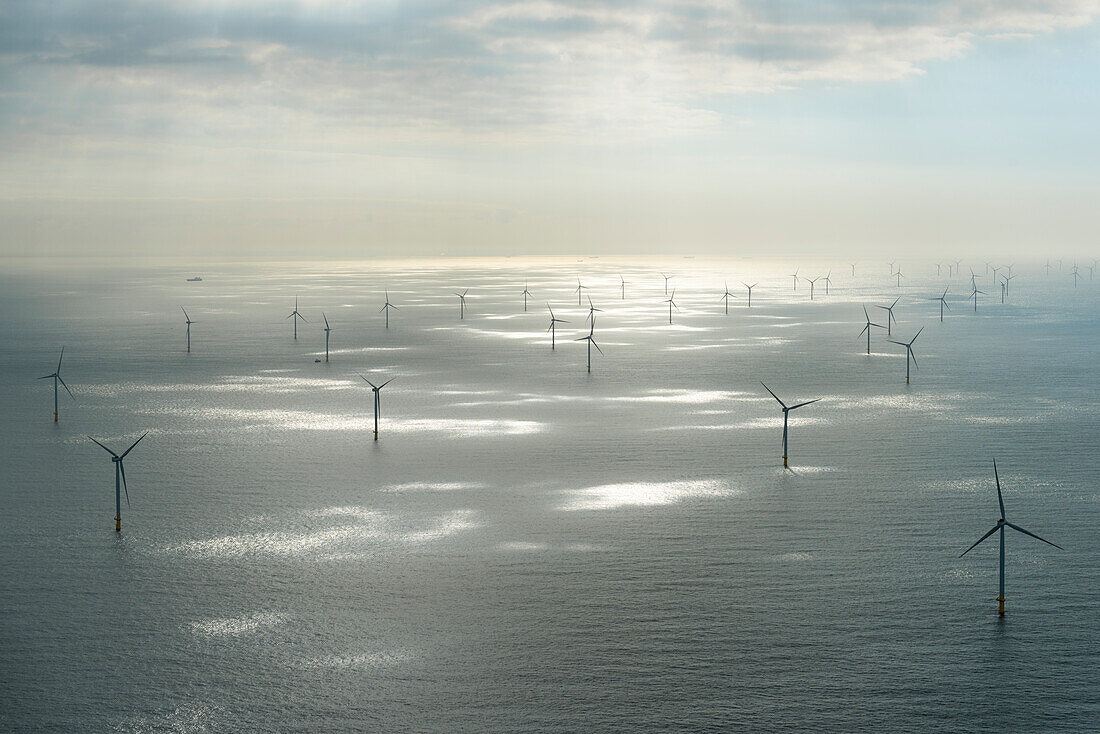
(530, 546)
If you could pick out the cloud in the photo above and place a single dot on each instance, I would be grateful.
(338, 74)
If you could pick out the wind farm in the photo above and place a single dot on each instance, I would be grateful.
(504, 454)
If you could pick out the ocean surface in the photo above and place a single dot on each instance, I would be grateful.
(530, 547)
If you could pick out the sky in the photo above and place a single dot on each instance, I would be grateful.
(302, 128)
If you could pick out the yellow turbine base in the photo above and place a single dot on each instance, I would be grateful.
(118, 524)
(55, 416)
(1001, 605)
(784, 459)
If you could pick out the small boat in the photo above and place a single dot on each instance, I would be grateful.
(196, 279)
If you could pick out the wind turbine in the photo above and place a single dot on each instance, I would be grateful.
(889, 314)
(795, 276)
(387, 308)
(939, 269)
(867, 328)
(1076, 273)
(909, 352)
(973, 277)
(995, 269)
(667, 278)
(579, 289)
(900, 276)
(1048, 267)
(622, 286)
(726, 297)
(974, 295)
(57, 378)
(892, 264)
(828, 281)
(377, 401)
(189, 322)
(671, 303)
(1000, 526)
(592, 312)
(295, 315)
(812, 281)
(327, 330)
(553, 325)
(786, 409)
(462, 303)
(943, 303)
(750, 287)
(525, 294)
(1004, 289)
(853, 269)
(591, 343)
(120, 471)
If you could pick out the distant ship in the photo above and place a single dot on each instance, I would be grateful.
(196, 279)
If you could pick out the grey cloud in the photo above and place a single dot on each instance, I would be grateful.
(432, 69)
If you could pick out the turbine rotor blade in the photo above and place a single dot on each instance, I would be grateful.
(995, 529)
(774, 395)
(997, 479)
(135, 443)
(66, 387)
(109, 451)
(805, 403)
(1028, 532)
(59, 359)
(122, 470)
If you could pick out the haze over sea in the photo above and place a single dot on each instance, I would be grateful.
(529, 547)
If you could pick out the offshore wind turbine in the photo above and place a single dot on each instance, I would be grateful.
(120, 471)
(189, 322)
(900, 276)
(622, 287)
(795, 276)
(812, 281)
(591, 343)
(828, 281)
(853, 269)
(667, 278)
(1076, 273)
(726, 297)
(579, 289)
(867, 328)
(592, 312)
(890, 314)
(671, 303)
(909, 352)
(1002, 523)
(554, 321)
(974, 295)
(327, 330)
(462, 303)
(939, 268)
(295, 315)
(786, 410)
(377, 401)
(387, 308)
(750, 287)
(525, 294)
(943, 303)
(56, 376)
